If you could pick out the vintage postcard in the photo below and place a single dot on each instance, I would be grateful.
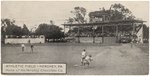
(74, 37)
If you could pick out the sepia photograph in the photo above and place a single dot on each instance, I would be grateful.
(75, 37)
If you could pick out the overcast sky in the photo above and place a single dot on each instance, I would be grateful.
(34, 13)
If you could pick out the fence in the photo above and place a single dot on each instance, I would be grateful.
(24, 40)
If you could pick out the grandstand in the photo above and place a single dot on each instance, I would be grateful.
(102, 29)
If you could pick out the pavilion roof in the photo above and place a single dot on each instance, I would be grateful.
(121, 22)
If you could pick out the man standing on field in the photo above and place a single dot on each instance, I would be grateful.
(22, 46)
(32, 48)
(84, 53)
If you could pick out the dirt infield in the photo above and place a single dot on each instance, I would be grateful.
(119, 59)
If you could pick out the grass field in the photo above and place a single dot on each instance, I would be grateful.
(116, 59)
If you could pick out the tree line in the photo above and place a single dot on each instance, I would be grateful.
(50, 31)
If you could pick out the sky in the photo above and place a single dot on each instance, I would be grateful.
(33, 13)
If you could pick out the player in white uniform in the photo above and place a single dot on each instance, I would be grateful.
(84, 53)
(22, 46)
(87, 60)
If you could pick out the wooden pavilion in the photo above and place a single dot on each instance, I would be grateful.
(117, 24)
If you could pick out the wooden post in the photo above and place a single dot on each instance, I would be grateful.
(133, 30)
(142, 32)
(116, 33)
(93, 34)
(102, 34)
(78, 34)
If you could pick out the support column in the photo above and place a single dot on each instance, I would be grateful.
(142, 33)
(93, 34)
(132, 37)
(116, 33)
(133, 30)
(70, 30)
(102, 34)
(78, 34)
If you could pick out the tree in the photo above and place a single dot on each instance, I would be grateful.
(120, 12)
(25, 30)
(6, 22)
(9, 27)
(49, 31)
(70, 20)
(79, 13)
(16, 30)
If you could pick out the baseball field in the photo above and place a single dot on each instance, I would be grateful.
(112, 59)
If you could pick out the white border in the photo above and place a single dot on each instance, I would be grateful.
(75, 0)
